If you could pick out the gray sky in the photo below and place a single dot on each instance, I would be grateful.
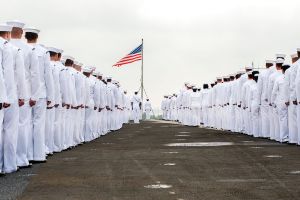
(190, 40)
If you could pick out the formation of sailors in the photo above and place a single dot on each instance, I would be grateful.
(49, 102)
(264, 103)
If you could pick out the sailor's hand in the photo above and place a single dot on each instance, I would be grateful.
(32, 103)
(6, 105)
(21, 102)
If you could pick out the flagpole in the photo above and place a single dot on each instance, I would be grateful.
(142, 73)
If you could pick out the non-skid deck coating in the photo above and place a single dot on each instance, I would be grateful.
(140, 163)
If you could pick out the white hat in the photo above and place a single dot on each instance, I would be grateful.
(60, 51)
(95, 73)
(5, 28)
(16, 23)
(298, 49)
(100, 74)
(280, 61)
(249, 68)
(53, 49)
(219, 78)
(66, 57)
(294, 56)
(31, 30)
(86, 69)
(280, 55)
(109, 77)
(269, 61)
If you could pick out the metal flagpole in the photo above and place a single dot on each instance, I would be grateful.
(142, 73)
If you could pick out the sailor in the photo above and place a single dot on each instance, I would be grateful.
(241, 99)
(103, 104)
(127, 107)
(163, 108)
(136, 106)
(297, 99)
(70, 113)
(195, 105)
(273, 114)
(232, 103)
(218, 98)
(279, 100)
(37, 151)
(246, 104)
(78, 110)
(290, 84)
(148, 109)
(60, 75)
(253, 104)
(96, 96)
(173, 109)
(14, 77)
(211, 107)
(51, 124)
(90, 104)
(262, 84)
(205, 105)
(31, 72)
(7, 163)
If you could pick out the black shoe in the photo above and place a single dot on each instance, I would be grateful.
(26, 167)
(2, 175)
(38, 161)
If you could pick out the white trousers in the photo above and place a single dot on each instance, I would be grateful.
(292, 122)
(8, 152)
(57, 139)
(271, 123)
(36, 145)
(1, 139)
(89, 116)
(205, 116)
(63, 128)
(195, 117)
(49, 130)
(265, 121)
(23, 135)
(298, 123)
(255, 129)
(282, 111)
(148, 114)
(276, 124)
(76, 125)
(136, 117)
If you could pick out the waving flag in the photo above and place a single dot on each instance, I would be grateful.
(134, 56)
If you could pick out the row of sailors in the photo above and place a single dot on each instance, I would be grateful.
(263, 104)
(48, 105)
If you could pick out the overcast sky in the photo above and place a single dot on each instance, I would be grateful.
(184, 40)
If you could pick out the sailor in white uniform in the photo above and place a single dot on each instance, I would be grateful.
(31, 69)
(37, 150)
(148, 109)
(136, 106)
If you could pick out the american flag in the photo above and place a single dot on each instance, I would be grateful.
(134, 56)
